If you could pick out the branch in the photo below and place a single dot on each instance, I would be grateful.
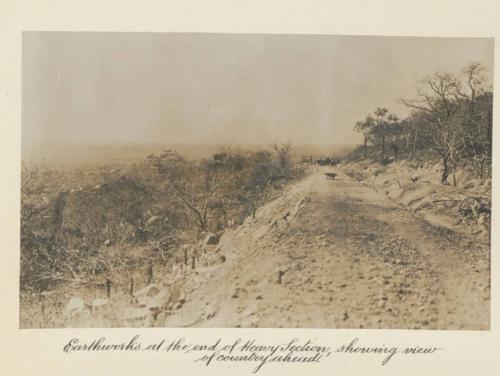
(413, 105)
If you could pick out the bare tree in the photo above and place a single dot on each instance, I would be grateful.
(283, 153)
(437, 98)
(476, 101)
(458, 112)
(194, 187)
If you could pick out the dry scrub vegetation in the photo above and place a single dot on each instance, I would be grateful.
(451, 120)
(86, 225)
(437, 159)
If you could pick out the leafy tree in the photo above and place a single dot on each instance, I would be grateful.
(379, 129)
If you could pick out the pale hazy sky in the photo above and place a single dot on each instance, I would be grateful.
(219, 88)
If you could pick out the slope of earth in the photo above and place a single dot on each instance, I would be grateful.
(464, 208)
(333, 253)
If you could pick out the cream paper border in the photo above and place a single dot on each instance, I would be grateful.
(39, 352)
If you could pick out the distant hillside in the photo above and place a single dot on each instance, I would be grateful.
(131, 153)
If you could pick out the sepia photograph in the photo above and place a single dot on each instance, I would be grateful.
(255, 181)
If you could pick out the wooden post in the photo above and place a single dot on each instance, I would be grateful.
(150, 273)
(193, 262)
(42, 299)
(131, 290)
(404, 283)
(185, 256)
(108, 288)
(281, 273)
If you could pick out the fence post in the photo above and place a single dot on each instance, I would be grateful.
(131, 290)
(150, 273)
(108, 288)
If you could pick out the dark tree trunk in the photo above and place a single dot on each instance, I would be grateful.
(395, 151)
(481, 170)
(444, 176)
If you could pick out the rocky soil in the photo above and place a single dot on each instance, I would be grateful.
(328, 253)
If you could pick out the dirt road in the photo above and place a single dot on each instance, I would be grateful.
(345, 257)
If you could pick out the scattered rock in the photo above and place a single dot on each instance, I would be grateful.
(182, 297)
(76, 306)
(150, 290)
(209, 312)
(141, 317)
(236, 293)
(162, 316)
(279, 276)
(132, 314)
(153, 220)
(144, 295)
(211, 239)
(177, 293)
(160, 301)
(97, 304)
(346, 316)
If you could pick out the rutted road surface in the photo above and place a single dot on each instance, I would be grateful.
(345, 257)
